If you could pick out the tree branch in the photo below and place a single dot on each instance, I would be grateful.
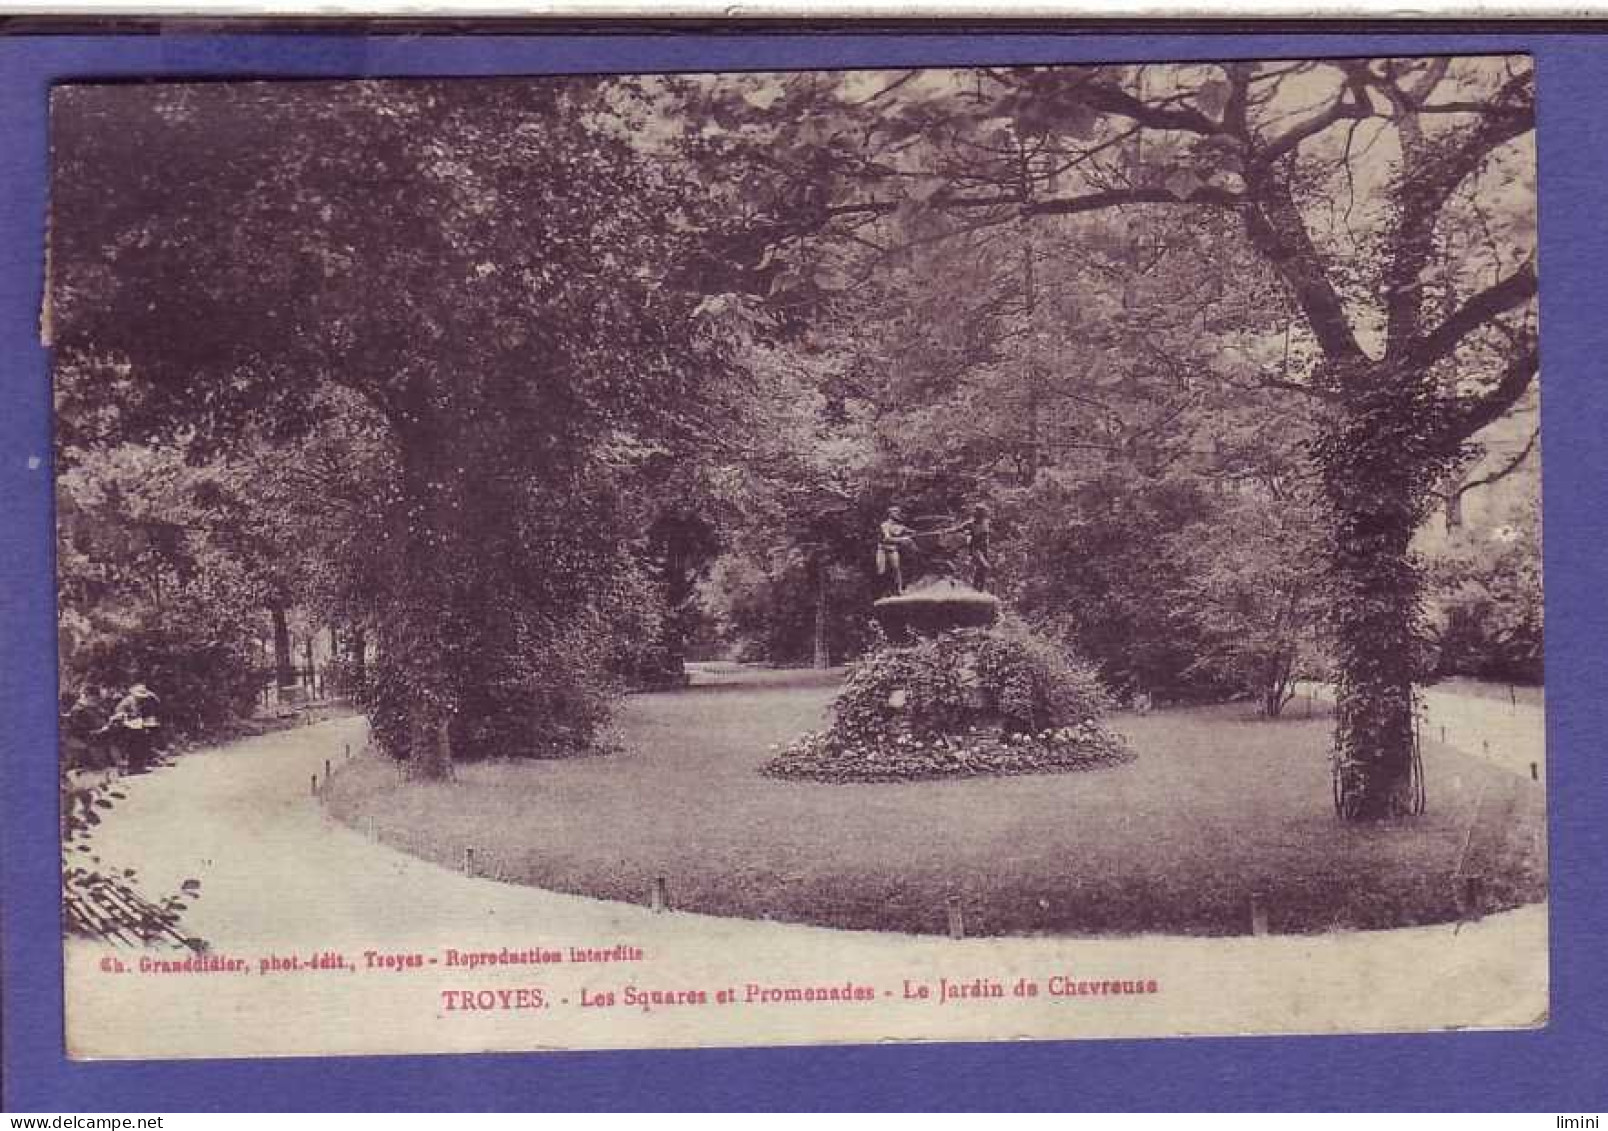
(1474, 413)
(1432, 170)
(1264, 381)
(1065, 206)
(1277, 230)
(1236, 108)
(1112, 99)
(1093, 202)
(888, 207)
(885, 91)
(1510, 114)
(1456, 108)
(1428, 80)
(1350, 103)
(1500, 473)
(1510, 292)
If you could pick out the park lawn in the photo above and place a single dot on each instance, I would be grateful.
(1217, 806)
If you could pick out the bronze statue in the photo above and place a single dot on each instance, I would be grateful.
(978, 531)
(894, 538)
(939, 548)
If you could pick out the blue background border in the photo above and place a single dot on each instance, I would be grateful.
(1558, 1069)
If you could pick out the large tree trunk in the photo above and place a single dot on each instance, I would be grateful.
(1374, 482)
(679, 590)
(284, 665)
(427, 485)
(1375, 770)
(357, 648)
(431, 742)
(1276, 690)
(821, 654)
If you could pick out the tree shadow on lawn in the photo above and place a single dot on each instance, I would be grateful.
(1216, 807)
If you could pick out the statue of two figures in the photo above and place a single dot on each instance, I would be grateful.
(951, 550)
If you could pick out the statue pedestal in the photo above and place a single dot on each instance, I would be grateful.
(932, 606)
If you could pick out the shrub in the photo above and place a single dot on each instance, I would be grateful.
(508, 660)
(1108, 566)
(203, 681)
(769, 615)
(1490, 604)
(1006, 677)
(345, 675)
(528, 690)
(995, 700)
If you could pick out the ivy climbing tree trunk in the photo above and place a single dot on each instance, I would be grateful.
(427, 624)
(1374, 469)
(1397, 414)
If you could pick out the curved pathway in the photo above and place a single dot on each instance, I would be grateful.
(282, 880)
(1506, 733)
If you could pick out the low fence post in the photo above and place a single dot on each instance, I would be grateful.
(1258, 914)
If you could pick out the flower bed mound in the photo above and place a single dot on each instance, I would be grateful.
(816, 757)
(971, 702)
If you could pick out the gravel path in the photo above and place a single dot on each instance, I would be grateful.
(1510, 735)
(280, 879)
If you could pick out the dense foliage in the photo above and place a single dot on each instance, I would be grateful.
(431, 269)
(524, 385)
(972, 701)
(780, 611)
(1176, 589)
(153, 588)
(1393, 199)
(1097, 567)
(1488, 599)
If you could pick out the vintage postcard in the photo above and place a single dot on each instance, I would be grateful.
(789, 558)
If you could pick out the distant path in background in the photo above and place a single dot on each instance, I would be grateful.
(1480, 720)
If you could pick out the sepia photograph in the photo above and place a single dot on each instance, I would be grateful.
(798, 557)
